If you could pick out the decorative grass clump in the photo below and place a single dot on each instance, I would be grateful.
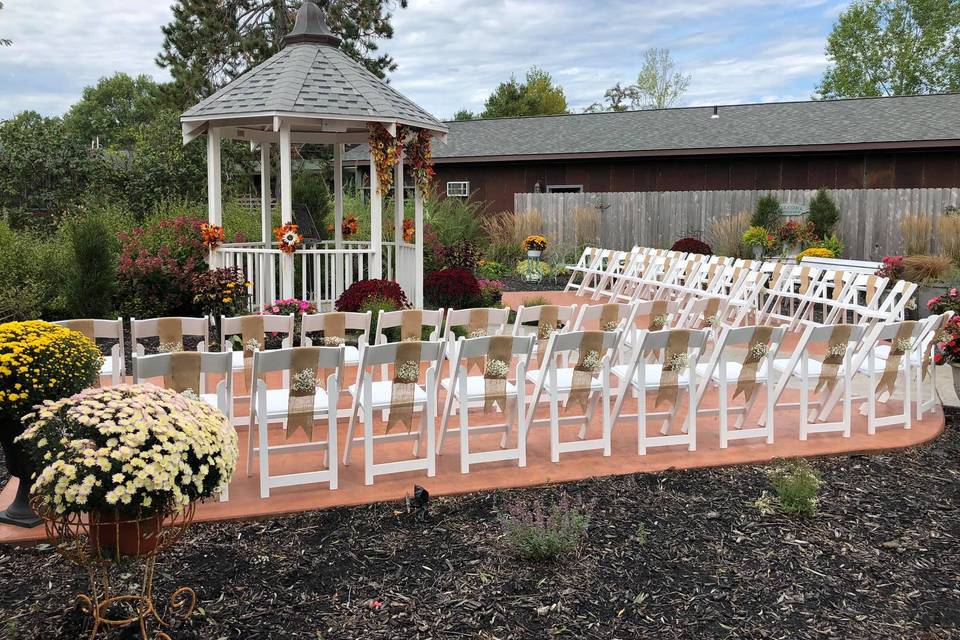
(539, 533)
(797, 485)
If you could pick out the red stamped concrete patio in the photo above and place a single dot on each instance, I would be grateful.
(245, 501)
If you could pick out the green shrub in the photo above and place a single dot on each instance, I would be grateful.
(824, 213)
(767, 213)
(831, 242)
(537, 533)
(376, 304)
(90, 282)
(525, 266)
(797, 485)
(311, 190)
(491, 270)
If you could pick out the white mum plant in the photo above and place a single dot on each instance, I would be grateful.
(135, 449)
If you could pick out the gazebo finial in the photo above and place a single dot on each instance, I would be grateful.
(311, 27)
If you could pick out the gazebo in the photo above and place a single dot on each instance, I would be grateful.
(312, 93)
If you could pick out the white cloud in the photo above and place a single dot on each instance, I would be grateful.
(453, 53)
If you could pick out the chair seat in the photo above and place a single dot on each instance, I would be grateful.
(106, 369)
(278, 399)
(381, 392)
(210, 399)
(882, 352)
(880, 365)
(564, 380)
(814, 367)
(652, 373)
(733, 370)
(476, 387)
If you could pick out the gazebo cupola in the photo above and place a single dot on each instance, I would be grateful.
(312, 93)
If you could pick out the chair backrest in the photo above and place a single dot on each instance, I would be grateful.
(271, 324)
(694, 314)
(353, 321)
(593, 312)
(565, 315)
(386, 353)
(496, 321)
(282, 360)
(821, 334)
(149, 328)
(158, 365)
(563, 343)
(108, 329)
(644, 309)
(389, 319)
(658, 340)
(477, 347)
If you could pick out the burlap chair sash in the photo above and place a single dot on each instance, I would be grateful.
(711, 313)
(184, 372)
(804, 279)
(334, 326)
(837, 284)
(170, 333)
(252, 334)
(836, 346)
(403, 391)
(499, 353)
(872, 288)
(546, 325)
(899, 348)
(411, 325)
(757, 348)
(656, 320)
(678, 346)
(301, 400)
(609, 317)
(478, 322)
(588, 363)
(82, 326)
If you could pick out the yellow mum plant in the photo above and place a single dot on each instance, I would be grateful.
(42, 361)
(137, 450)
(815, 252)
(535, 243)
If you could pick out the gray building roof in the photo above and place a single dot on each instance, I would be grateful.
(311, 77)
(894, 121)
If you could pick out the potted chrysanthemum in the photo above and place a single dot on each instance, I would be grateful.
(128, 457)
(38, 361)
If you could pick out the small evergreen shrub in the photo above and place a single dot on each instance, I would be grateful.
(451, 288)
(356, 294)
(824, 213)
(767, 213)
(538, 533)
(90, 283)
(692, 245)
(797, 485)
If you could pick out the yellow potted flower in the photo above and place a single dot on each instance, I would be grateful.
(535, 246)
(38, 361)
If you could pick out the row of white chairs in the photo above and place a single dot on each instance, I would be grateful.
(635, 367)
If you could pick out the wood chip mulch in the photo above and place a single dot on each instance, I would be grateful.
(680, 554)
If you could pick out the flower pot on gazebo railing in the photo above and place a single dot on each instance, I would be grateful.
(61, 362)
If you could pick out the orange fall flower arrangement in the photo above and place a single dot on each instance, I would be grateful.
(289, 237)
(212, 235)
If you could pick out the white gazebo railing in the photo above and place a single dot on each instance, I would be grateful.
(322, 271)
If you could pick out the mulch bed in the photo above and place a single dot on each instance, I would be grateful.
(679, 554)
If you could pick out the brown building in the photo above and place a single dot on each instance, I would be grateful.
(901, 142)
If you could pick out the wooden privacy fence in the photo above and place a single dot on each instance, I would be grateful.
(869, 218)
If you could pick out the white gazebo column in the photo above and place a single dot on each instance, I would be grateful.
(266, 195)
(286, 208)
(376, 223)
(418, 231)
(214, 186)
(398, 199)
(338, 259)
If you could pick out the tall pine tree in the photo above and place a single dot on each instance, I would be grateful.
(211, 42)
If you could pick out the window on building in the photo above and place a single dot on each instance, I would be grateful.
(564, 188)
(458, 189)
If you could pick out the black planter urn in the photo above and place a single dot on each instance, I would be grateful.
(18, 513)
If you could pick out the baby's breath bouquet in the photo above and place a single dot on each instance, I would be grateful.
(137, 450)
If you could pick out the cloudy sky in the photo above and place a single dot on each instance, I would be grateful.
(452, 53)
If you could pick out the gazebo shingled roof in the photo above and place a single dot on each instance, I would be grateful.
(312, 78)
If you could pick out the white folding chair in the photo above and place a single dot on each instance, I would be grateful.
(807, 367)
(271, 324)
(370, 395)
(584, 262)
(270, 406)
(724, 368)
(644, 373)
(430, 318)
(113, 366)
(559, 382)
(149, 328)
(497, 320)
(464, 389)
(217, 364)
(878, 353)
(528, 319)
(353, 322)
(592, 313)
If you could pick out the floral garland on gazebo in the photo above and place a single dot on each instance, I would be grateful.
(418, 154)
(385, 151)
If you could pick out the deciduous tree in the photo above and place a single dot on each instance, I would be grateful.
(894, 47)
(536, 96)
(112, 109)
(4, 42)
(660, 84)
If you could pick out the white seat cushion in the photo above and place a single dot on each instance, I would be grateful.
(564, 380)
(652, 372)
(475, 387)
(733, 371)
(278, 399)
(381, 391)
(210, 399)
(106, 369)
(351, 355)
(813, 367)
(882, 351)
